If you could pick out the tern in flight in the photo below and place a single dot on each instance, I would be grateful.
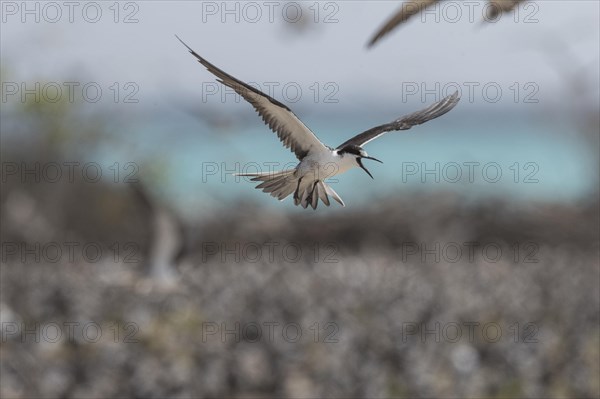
(318, 161)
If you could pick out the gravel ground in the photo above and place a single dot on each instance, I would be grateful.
(447, 300)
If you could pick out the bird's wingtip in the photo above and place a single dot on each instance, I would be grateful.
(375, 39)
(454, 98)
(182, 42)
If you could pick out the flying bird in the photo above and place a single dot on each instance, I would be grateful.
(498, 7)
(318, 161)
(407, 10)
(412, 7)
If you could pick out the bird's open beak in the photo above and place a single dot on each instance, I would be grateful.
(359, 160)
(374, 159)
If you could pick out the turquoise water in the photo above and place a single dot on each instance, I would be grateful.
(520, 158)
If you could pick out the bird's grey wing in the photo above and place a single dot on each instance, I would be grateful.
(497, 7)
(405, 122)
(291, 131)
(407, 10)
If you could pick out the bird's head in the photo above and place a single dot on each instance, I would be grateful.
(359, 154)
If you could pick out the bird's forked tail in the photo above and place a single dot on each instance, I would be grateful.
(283, 183)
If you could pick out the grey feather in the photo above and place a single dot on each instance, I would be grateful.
(406, 122)
(291, 131)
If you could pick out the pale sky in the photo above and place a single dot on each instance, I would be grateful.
(542, 60)
(520, 48)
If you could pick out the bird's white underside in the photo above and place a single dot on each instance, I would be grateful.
(325, 164)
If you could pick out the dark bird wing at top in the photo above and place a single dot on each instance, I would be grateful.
(412, 7)
(498, 7)
(407, 10)
(405, 122)
(291, 131)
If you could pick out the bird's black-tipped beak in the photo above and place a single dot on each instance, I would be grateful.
(359, 161)
(374, 159)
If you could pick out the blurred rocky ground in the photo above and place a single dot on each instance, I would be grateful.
(108, 292)
(419, 296)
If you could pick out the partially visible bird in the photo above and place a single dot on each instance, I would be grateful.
(167, 242)
(406, 11)
(498, 7)
(318, 161)
(412, 7)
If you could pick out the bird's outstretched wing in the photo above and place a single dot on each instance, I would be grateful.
(405, 122)
(291, 131)
(498, 7)
(407, 10)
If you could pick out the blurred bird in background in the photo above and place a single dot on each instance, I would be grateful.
(414, 7)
